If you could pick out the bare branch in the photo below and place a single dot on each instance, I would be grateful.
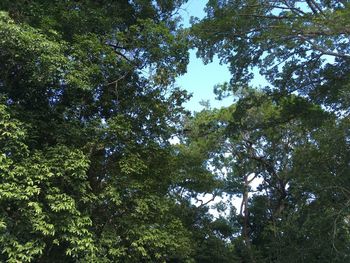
(317, 6)
(268, 16)
(322, 50)
(207, 202)
(313, 9)
(295, 10)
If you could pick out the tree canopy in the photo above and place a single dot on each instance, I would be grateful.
(89, 107)
(284, 146)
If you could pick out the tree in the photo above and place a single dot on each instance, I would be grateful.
(284, 133)
(288, 204)
(87, 109)
(298, 46)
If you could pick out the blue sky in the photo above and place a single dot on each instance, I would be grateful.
(200, 79)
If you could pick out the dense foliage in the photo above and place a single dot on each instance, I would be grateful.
(284, 148)
(87, 111)
(88, 108)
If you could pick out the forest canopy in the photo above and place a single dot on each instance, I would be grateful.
(89, 106)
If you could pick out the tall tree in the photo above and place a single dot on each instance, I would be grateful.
(298, 46)
(291, 181)
(293, 133)
(87, 110)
